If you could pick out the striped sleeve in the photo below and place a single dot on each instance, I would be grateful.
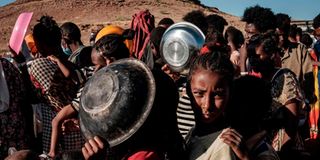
(185, 115)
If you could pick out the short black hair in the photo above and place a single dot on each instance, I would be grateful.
(306, 39)
(216, 22)
(214, 36)
(316, 22)
(294, 31)
(235, 35)
(283, 22)
(71, 32)
(197, 18)
(166, 21)
(262, 18)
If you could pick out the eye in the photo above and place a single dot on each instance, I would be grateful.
(198, 94)
(219, 94)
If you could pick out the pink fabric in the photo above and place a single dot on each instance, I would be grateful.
(142, 24)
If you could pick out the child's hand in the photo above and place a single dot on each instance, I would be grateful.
(54, 59)
(232, 138)
(174, 75)
(94, 149)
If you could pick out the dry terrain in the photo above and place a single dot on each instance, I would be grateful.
(89, 14)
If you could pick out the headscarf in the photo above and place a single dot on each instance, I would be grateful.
(142, 24)
(113, 29)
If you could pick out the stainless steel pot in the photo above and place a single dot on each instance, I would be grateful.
(179, 43)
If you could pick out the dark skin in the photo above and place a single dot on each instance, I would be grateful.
(291, 105)
(250, 30)
(210, 94)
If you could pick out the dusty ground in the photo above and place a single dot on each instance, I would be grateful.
(89, 14)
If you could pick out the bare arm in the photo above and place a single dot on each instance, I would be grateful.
(292, 119)
(65, 113)
(243, 58)
(63, 68)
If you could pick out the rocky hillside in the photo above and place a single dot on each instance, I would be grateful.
(89, 14)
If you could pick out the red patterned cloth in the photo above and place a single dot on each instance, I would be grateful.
(142, 24)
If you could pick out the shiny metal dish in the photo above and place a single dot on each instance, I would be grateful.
(116, 101)
(179, 43)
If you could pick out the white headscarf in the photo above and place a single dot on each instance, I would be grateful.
(4, 92)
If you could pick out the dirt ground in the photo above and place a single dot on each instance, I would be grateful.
(91, 14)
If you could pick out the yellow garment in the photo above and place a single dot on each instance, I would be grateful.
(110, 29)
(31, 44)
(113, 29)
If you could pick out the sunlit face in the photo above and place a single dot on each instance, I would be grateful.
(211, 93)
(250, 30)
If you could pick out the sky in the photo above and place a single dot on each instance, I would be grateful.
(4, 2)
(296, 9)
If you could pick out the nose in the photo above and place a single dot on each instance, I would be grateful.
(208, 105)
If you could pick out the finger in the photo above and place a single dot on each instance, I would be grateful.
(231, 143)
(99, 142)
(94, 145)
(164, 67)
(85, 153)
(232, 132)
(231, 135)
(235, 132)
(89, 148)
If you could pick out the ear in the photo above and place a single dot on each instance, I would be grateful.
(110, 60)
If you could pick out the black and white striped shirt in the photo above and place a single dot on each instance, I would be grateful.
(185, 115)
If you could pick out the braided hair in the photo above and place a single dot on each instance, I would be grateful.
(216, 60)
(112, 46)
(47, 32)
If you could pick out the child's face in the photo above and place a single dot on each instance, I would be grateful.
(97, 59)
(211, 94)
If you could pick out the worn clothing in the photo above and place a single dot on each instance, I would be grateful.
(298, 60)
(74, 57)
(13, 121)
(207, 147)
(88, 72)
(212, 147)
(284, 88)
(185, 115)
(57, 92)
(70, 141)
(315, 108)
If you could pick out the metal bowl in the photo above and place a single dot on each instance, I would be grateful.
(116, 101)
(179, 43)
